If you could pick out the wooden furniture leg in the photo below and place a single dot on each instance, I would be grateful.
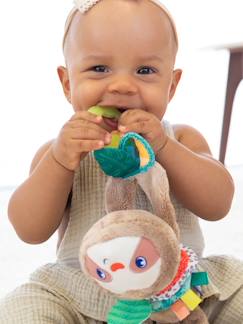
(235, 75)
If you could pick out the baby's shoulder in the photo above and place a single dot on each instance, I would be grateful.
(182, 130)
(191, 138)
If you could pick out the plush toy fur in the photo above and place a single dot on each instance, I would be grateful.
(142, 224)
(159, 228)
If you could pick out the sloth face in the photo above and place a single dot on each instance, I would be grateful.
(124, 263)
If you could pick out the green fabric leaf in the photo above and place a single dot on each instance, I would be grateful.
(129, 312)
(124, 161)
(117, 162)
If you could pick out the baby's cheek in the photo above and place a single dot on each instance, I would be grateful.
(86, 95)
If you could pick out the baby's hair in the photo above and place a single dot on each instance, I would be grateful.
(76, 9)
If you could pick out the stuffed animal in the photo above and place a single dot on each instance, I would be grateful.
(137, 255)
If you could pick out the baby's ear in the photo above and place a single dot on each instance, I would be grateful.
(120, 194)
(156, 187)
(64, 79)
(175, 80)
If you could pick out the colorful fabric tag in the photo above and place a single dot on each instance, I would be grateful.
(191, 299)
(180, 310)
(199, 279)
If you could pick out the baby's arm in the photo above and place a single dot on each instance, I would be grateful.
(200, 183)
(37, 206)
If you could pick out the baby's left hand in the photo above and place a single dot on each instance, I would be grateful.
(145, 124)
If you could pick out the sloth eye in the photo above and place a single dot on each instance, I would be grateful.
(101, 273)
(141, 262)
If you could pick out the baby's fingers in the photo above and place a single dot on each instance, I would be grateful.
(90, 133)
(140, 127)
(80, 146)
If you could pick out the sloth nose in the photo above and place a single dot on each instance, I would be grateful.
(117, 266)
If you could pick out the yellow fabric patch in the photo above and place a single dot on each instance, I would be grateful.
(143, 153)
(191, 299)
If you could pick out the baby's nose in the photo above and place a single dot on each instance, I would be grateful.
(123, 84)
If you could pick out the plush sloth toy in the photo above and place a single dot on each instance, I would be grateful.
(137, 255)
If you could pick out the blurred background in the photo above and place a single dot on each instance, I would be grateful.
(33, 107)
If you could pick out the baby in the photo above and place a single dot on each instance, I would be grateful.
(118, 53)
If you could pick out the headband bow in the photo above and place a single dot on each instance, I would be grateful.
(84, 5)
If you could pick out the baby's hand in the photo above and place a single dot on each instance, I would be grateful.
(146, 124)
(80, 135)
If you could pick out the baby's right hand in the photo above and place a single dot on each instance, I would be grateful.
(80, 135)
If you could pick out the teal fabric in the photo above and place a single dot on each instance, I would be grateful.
(199, 279)
(165, 304)
(124, 161)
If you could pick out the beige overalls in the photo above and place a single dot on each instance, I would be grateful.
(60, 293)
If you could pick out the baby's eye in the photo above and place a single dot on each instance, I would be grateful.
(146, 70)
(100, 68)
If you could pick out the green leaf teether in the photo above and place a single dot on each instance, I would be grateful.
(108, 112)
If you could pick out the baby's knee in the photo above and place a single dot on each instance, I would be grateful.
(34, 304)
(226, 311)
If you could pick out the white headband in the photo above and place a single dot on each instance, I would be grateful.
(85, 5)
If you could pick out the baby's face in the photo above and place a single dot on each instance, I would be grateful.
(121, 53)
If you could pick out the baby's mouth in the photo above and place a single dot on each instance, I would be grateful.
(112, 123)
